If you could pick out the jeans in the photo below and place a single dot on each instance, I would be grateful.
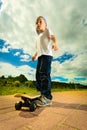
(43, 79)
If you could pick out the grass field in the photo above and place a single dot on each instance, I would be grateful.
(27, 90)
(13, 90)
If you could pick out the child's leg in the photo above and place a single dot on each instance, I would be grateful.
(45, 79)
(38, 81)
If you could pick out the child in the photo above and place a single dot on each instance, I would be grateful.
(44, 54)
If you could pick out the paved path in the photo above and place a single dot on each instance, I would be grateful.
(68, 112)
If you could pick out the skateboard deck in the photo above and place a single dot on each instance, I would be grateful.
(26, 96)
(27, 101)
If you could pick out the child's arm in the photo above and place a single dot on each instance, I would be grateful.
(34, 57)
(55, 44)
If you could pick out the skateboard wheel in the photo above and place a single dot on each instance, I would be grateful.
(18, 105)
(33, 106)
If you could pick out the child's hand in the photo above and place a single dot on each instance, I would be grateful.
(33, 58)
(55, 47)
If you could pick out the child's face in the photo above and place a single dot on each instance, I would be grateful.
(41, 25)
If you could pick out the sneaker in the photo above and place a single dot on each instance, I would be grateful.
(46, 101)
(43, 101)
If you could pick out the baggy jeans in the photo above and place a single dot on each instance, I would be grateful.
(43, 79)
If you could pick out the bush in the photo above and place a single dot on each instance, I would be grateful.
(17, 83)
(29, 84)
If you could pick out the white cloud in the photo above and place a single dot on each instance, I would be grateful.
(17, 54)
(20, 33)
(25, 58)
(71, 69)
(4, 49)
(8, 69)
(4, 4)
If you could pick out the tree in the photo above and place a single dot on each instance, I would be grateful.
(2, 77)
(22, 78)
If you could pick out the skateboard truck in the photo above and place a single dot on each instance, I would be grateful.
(27, 102)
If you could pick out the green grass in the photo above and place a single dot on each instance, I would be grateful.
(30, 91)
(14, 90)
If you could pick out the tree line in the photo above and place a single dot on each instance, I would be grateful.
(22, 81)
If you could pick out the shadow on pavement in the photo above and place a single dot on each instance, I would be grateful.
(25, 113)
(70, 106)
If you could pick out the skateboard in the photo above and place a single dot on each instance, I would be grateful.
(27, 101)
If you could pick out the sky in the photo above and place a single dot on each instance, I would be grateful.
(67, 20)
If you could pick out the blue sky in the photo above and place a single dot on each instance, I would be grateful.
(68, 21)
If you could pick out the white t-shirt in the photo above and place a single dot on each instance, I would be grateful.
(43, 43)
